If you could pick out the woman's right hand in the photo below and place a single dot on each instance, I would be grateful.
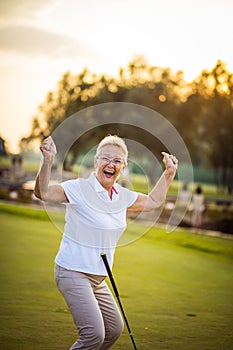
(48, 149)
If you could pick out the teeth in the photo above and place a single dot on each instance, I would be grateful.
(109, 172)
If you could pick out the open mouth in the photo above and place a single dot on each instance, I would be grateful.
(109, 173)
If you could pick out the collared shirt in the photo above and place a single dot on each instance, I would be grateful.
(94, 223)
(103, 193)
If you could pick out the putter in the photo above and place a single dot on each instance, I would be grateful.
(105, 260)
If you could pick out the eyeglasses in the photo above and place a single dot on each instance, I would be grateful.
(116, 161)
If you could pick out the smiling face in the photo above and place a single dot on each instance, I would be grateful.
(109, 164)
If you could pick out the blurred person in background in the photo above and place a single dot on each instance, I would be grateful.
(198, 206)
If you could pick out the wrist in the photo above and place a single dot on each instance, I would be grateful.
(48, 161)
(169, 173)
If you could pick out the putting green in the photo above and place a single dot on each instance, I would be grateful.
(176, 289)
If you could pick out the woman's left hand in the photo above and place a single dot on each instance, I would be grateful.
(170, 162)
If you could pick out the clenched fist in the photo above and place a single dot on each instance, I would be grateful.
(170, 162)
(48, 148)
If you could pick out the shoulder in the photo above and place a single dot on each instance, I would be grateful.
(126, 194)
(70, 186)
(70, 183)
(72, 190)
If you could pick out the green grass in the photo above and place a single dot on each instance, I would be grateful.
(177, 288)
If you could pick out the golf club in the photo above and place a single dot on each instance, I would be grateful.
(105, 260)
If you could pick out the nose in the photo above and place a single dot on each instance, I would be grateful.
(111, 161)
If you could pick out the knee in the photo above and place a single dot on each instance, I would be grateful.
(94, 338)
(116, 331)
(98, 339)
(90, 338)
(120, 328)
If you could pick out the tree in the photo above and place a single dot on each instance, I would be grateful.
(201, 111)
(212, 116)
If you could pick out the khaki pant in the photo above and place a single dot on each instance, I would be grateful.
(93, 308)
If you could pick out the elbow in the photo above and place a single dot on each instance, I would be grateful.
(160, 203)
(37, 193)
(40, 194)
(155, 204)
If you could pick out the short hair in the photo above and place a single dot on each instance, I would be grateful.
(113, 140)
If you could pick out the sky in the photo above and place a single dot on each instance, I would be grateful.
(41, 40)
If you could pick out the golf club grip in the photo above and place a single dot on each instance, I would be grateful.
(105, 260)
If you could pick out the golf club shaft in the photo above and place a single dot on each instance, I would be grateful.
(105, 260)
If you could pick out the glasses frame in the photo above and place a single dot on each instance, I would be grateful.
(116, 161)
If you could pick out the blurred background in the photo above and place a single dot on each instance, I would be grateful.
(58, 57)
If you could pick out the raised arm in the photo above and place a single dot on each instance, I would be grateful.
(43, 190)
(148, 202)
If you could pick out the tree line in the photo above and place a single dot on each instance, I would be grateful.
(200, 110)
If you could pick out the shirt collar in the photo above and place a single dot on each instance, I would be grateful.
(99, 188)
(114, 189)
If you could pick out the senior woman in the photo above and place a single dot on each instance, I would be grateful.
(95, 218)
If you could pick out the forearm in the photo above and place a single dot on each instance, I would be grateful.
(159, 192)
(158, 195)
(44, 191)
(42, 180)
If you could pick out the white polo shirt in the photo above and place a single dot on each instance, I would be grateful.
(94, 224)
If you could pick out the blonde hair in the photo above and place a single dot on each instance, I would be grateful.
(113, 140)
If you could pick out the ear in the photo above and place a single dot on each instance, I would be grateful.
(123, 167)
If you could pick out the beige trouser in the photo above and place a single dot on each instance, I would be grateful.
(93, 308)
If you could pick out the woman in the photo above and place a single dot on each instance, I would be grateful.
(95, 218)
(198, 203)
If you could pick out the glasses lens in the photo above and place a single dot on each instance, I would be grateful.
(116, 161)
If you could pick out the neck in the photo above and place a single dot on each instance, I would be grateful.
(108, 187)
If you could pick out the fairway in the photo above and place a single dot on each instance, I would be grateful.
(177, 288)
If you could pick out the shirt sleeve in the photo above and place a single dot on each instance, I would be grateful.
(130, 196)
(133, 198)
(71, 189)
